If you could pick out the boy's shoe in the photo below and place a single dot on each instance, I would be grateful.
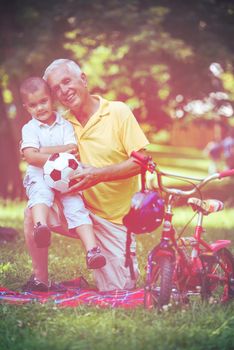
(95, 259)
(42, 235)
(33, 285)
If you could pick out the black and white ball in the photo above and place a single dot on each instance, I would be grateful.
(58, 170)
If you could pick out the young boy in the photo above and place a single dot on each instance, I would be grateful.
(47, 133)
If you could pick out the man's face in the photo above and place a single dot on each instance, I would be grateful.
(39, 105)
(68, 86)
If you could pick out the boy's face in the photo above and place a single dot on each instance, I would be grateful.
(39, 105)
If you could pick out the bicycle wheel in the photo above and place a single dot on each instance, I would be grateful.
(159, 291)
(216, 281)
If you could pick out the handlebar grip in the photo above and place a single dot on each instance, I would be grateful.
(226, 173)
(145, 162)
(140, 157)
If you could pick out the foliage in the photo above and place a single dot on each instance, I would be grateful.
(142, 52)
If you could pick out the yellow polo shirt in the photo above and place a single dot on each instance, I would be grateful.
(109, 137)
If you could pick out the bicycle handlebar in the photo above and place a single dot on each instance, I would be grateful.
(147, 163)
(226, 173)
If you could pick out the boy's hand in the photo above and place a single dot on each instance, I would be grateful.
(74, 151)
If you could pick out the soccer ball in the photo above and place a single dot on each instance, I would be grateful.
(58, 170)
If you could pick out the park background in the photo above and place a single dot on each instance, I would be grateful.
(153, 55)
(156, 56)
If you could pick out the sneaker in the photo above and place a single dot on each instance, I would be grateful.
(94, 259)
(33, 285)
(56, 287)
(42, 235)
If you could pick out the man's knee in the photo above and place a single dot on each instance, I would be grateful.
(115, 275)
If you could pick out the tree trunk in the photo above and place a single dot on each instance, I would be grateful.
(10, 176)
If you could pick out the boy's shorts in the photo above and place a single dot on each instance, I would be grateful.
(74, 210)
(73, 206)
(38, 192)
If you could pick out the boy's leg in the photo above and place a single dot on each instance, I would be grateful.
(78, 218)
(112, 241)
(39, 255)
(87, 236)
(39, 280)
(40, 213)
(94, 257)
(41, 198)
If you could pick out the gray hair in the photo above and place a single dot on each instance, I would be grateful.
(72, 65)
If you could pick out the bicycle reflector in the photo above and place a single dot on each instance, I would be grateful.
(146, 212)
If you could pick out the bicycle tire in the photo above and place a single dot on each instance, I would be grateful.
(158, 293)
(217, 289)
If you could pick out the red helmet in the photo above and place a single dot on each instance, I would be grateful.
(146, 212)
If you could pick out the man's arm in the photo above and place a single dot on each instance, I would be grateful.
(91, 176)
(38, 157)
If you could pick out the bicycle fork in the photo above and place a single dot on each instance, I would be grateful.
(165, 246)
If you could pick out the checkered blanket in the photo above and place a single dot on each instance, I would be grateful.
(75, 296)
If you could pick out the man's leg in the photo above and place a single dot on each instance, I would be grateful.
(39, 255)
(112, 241)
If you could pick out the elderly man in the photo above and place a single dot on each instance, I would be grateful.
(107, 133)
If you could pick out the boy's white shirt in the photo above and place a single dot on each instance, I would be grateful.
(36, 134)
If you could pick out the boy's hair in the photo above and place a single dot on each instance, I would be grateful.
(31, 85)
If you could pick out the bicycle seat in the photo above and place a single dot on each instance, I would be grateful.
(207, 206)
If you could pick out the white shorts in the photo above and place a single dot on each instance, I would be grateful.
(74, 210)
(73, 206)
(38, 192)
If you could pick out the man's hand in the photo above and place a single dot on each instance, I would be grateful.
(90, 176)
(86, 177)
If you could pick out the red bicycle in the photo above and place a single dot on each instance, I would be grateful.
(183, 266)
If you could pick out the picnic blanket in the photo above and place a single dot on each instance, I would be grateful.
(76, 295)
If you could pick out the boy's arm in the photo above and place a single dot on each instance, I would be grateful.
(69, 143)
(38, 157)
(34, 157)
(70, 148)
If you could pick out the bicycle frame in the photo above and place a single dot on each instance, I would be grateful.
(190, 270)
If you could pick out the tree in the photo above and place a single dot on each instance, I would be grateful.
(142, 52)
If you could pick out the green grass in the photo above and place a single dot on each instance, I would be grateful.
(34, 326)
(195, 326)
(46, 327)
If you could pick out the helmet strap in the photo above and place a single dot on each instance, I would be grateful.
(128, 258)
(143, 180)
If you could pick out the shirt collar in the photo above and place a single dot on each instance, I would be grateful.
(103, 110)
(58, 120)
(104, 107)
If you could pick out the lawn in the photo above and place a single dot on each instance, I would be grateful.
(35, 326)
